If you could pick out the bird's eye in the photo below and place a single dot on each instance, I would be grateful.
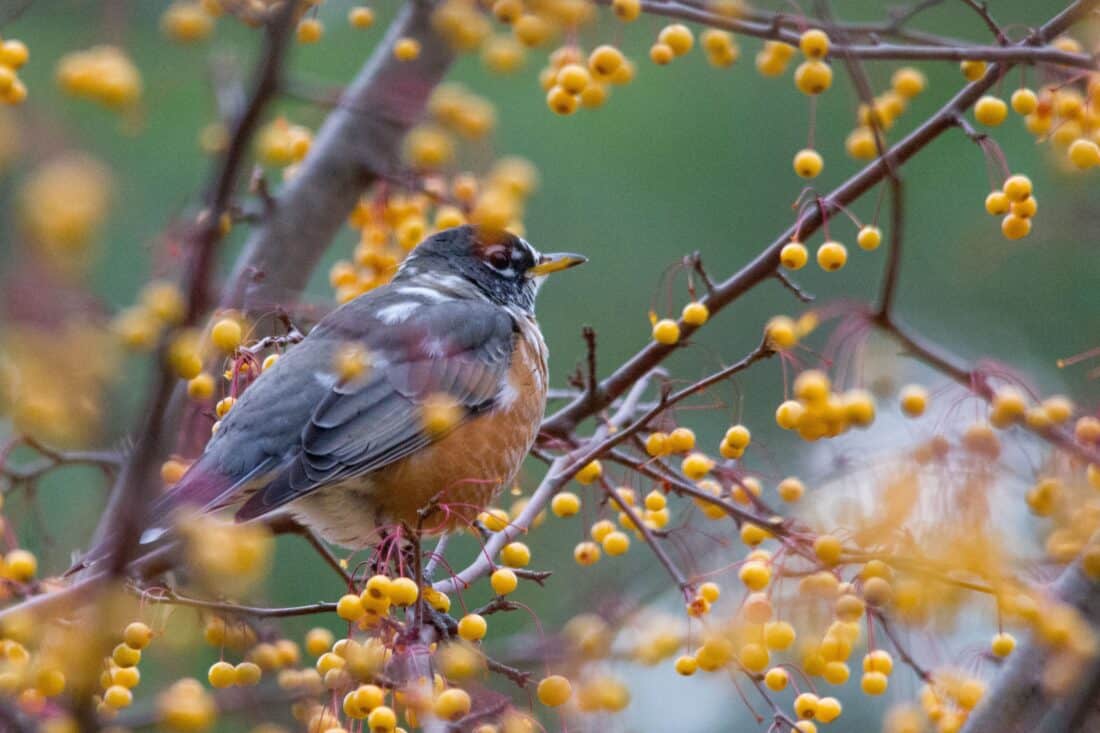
(499, 259)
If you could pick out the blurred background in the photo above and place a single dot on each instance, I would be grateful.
(686, 158)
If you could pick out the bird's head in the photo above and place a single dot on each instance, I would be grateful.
(503, 267)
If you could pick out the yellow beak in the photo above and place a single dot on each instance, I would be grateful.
(556, 262)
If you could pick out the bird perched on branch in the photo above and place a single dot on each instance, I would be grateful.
(424, 393)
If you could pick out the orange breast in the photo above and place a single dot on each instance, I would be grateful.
(464, 471)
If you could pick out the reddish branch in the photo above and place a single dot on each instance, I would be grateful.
(166, 595)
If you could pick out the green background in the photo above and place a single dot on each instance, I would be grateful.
(685, 158)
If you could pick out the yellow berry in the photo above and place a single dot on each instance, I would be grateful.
(696, 466)
(794, 255)
(828, 549)
(1015, 227)
(814, 43)
(869, 238)
(616, 543)
(565, 504)
(472, 627)
(754, 657)
(626, 10)
(776, 679)
(990, 111)
(878, 660)
(755, 575)
(118, 697)
(601, 529)
(681, 440)
(126, 656)
(828, 710)
(677, 37)
(590, 472)
(656, 444)
(836, 673)
(1017, 187)
(973, 70)
(310, 30)
(1084, 153)
(808, 163)
(554, 690)
(561, 101)
(137, 635)
(604, 61)
(789, 414)
(14, 53)
(586, 553)
(361, 17)
(573, 78)
(1003, 644)
(655, 501)
(695, 314)
(350, 607)
(832, 256)
(914, 400)
(406, 49)
(778, 635)
(382, 720)
(503, 581)
(781, 333)
(221, 675)
(452, 704)
(686, 665)
(997, 203)
(403, 591)
(790, 489)
(813, 77)
(1024, 101)
(661, 54)
(226, 335)
(908, 82)
(805, 705)
(666, 331)
(247, 674)
(738, 436)
(874, 683)
(860, 143)
(515, 555)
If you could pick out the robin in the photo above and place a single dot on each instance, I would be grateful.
(455, 327)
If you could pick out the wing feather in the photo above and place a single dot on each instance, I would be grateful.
(460, 348)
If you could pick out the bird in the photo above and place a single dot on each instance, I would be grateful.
(347, 456)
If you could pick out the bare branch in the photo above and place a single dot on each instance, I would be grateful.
(765, 263)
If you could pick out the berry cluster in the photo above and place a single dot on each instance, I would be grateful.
(13, 55)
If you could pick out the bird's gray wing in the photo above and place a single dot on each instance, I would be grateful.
(461, 349)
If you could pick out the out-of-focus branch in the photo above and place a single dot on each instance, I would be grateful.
(952, 366)
(765, 264)
(108, 461)
(358, 142)
(123, 519)
(1017, 700)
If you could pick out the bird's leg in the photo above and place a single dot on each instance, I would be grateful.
(443, 623)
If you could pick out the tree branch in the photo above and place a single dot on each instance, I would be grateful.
(359, 142)
(765, 263)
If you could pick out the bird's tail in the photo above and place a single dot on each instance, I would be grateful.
(200, 489)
